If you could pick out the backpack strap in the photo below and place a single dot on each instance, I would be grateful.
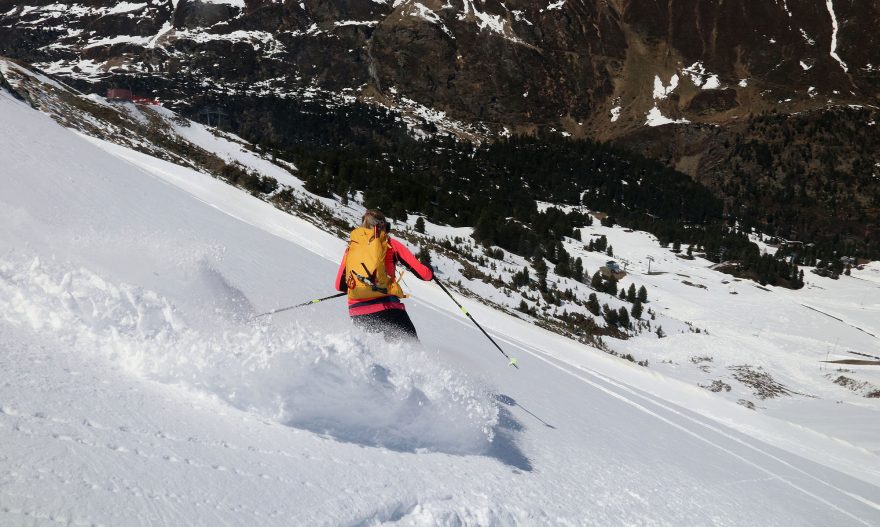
(369, 279)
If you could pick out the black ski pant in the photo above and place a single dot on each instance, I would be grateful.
(394, 323)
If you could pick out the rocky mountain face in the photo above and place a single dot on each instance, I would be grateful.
(604, 69)
(590, 68)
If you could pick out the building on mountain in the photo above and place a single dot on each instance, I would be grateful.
(790, 243)
(126, 95)
(612, 269)
(119, 95)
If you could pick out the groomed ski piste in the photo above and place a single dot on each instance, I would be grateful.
(135, 389)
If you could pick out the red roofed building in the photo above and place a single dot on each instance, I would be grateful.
(119, 94)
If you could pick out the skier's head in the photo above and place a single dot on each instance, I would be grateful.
(374, 218)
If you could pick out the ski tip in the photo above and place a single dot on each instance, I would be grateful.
(514, 363)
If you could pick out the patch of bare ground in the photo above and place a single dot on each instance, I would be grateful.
(748, 404)
(863, 388)
(717, 386)
(761, 383)
(698, 361)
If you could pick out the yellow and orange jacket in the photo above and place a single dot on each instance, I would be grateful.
(364, 300)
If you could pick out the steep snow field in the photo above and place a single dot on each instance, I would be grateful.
(134, 390)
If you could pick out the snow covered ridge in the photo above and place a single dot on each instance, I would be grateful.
(153, 130)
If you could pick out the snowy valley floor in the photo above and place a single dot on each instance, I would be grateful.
(134, 391)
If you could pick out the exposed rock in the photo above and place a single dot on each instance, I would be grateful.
(761, 383)
(863, 388)
(748, 404)
(513, 63)
(717, 386)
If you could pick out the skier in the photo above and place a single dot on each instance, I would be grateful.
(368, 274)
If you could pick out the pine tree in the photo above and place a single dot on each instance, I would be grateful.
(596, 281)
(342, 190)
(623, 317)
(610, 286)
(520, 278)
(593, 305)
(610, 251)
(636, 310)
(612, 317)
(643, 295)
(424, 255)
(631, 293)
(563, 267)
(578, 273)
(540, 268)
(420, 225)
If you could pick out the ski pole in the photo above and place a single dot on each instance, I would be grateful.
(310, 302)
(513, 362)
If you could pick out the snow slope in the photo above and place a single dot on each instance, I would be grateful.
(133, 390)
(761, 347)
(777, 331)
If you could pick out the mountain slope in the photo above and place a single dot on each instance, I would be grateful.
(135, 392)
(754, 345)
(516, 64)
(690, 83)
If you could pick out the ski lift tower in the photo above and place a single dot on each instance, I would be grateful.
(213, 116)
(650, 259)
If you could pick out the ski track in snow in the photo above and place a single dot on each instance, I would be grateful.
(618, 391)
(840, 320)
